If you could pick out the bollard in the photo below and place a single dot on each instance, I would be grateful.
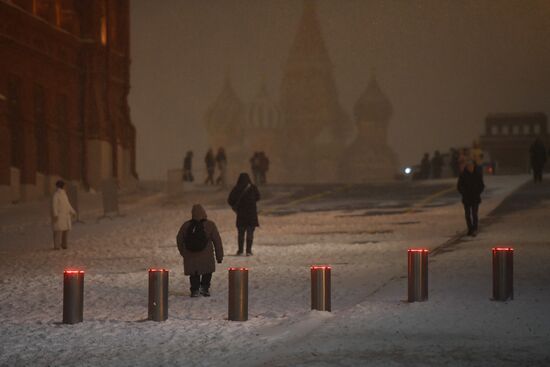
(73, 296)
(158, 294)
(238, 294)
(320, 287)
(418, 274)
(503, 273)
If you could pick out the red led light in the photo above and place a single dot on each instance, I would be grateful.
(418, 250)
(503, 249)
(238, 269)
(158, 270)
(320, 267)
(73, 272)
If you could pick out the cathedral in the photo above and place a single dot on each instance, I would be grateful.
(64, 82)
(306, 133)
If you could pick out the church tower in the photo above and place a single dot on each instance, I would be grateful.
(370, 158)
(316, 125)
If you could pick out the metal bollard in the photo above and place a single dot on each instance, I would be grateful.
(158, 294)
(238, 294)
(503, 273)
(320, 287)
(418, 274)
(73, 296)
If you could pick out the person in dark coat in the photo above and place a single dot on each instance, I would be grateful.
(437, 164)
(199, 265)
(188, 167)
(537, 153)
(221, 160)
(242, 199)
(425, 167)
(470, 185)
(454, 162)
(264, 167)
(210, 162)
(255, 167)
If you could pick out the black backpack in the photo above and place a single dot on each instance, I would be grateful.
(195, 238)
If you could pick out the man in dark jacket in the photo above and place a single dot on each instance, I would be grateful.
(210, 162)
(470, 185)
(242, 200)
(199, 265)
(538, 159)
(437, 164)
(425, 167)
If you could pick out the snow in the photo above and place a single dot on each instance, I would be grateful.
(370, 321)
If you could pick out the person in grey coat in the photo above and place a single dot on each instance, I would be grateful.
(199, 265)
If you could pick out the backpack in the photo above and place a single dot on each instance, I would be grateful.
(195, 238)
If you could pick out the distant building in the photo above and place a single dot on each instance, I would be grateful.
(508, 137)
(64, 82)
(307, 135)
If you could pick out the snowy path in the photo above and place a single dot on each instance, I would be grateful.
(367, 253)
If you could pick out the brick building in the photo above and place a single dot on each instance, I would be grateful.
(64, 82)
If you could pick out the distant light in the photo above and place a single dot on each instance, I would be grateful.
(408, 170)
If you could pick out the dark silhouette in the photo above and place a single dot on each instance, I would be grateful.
(470, 185)
(221, 160)
(188, 167)
(242, 199)
(537, 154)
(255, 167)
(425, 167)
(264, 167)
(210, 162)
(454, 162)
(437, 164)
(199, 265)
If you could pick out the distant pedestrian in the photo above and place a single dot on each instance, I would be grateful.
(255, 167)
(188, 167)
(470, 185)
(210, 163)
(62, 215)
(243, 199)
(221, 160)
(462, 154)
(199, 242)
(537, 153)
(425, 167)
(454, 162)
(264, 167)
(437, 164)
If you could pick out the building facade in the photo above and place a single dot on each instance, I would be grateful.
(64, 82)
(508, 137)
(307, 134)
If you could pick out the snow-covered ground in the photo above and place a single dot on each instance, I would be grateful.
(370, 323)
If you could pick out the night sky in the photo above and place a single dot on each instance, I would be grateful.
(444, 64)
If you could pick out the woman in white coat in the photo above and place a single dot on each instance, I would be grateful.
(62, 213)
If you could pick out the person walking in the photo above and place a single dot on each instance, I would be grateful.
(470, 185)
(199, 242)
(255, 167)
(454, 162)
(537, 153)
(221, 160)
(62, 214)
(264, 167)
(242, 199)
(188, 167)
(425, 167)
(210, 162)
(437, 164)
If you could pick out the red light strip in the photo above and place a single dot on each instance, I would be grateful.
(418, 250)
(237, 269)
(318, 267)
(158, 270)
(73, 272)
(503, 249)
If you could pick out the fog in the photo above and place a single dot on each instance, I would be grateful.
(444, 64)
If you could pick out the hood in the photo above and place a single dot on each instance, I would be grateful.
(244, 180)
(198, 212)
